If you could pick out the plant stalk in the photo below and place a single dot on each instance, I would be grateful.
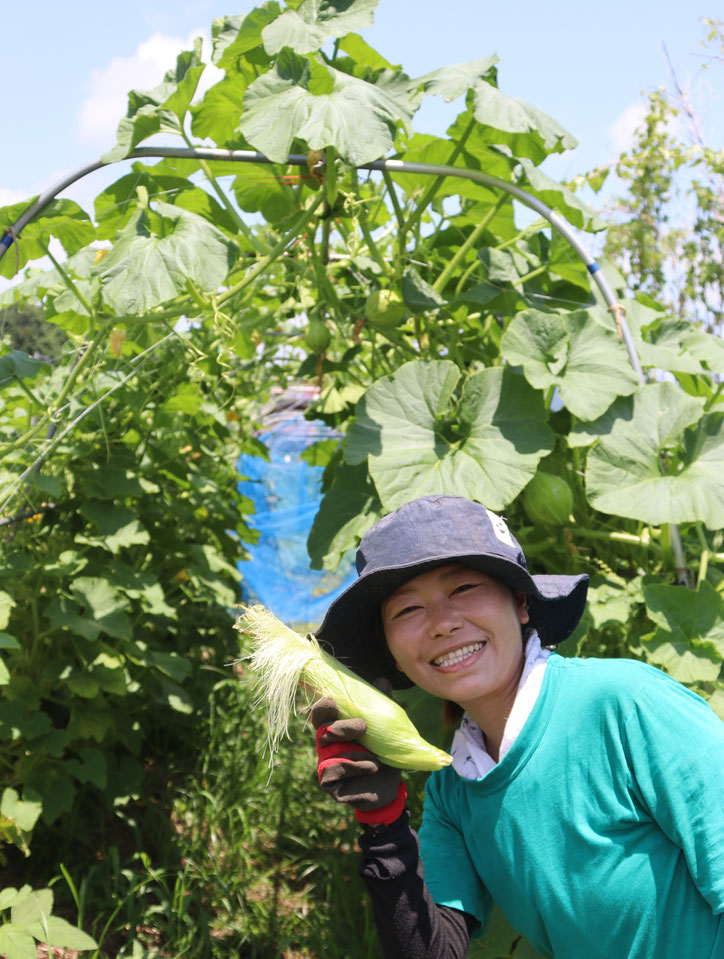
(274, 253)
(450, 268)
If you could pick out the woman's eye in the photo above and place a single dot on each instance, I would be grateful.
(405, 609)
(463, 587)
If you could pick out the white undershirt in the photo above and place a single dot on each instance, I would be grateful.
(471, 760)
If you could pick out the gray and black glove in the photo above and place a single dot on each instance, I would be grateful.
(352, 774)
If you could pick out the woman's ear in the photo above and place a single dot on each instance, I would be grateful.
(521, 601)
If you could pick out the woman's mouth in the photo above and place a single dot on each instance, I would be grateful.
(457, 655)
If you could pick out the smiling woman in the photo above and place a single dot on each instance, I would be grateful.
(573, 781)
(457, 634)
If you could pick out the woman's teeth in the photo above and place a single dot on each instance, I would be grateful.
(458, 655)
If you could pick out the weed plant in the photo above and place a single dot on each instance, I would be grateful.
(228, 854)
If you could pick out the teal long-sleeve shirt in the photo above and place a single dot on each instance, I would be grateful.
(601, 832)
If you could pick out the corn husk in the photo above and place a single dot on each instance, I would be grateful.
(283, 661)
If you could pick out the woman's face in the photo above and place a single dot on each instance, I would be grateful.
(456, 633)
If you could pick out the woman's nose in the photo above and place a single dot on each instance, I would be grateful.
(444, 619)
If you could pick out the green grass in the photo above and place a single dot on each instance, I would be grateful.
(223, 855)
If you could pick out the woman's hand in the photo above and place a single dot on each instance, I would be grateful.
(352, 774)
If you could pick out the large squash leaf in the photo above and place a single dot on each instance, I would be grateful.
(642, 470)
(419, 439)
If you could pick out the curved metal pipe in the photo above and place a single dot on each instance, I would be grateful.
(391, 166)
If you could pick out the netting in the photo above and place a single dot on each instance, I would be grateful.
(286, 494)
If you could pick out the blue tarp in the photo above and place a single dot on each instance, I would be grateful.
(286, 494)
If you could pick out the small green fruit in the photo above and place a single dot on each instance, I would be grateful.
(384, 309)
(317, 337)
(548, 500)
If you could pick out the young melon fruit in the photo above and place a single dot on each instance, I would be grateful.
(317, 336)
(384, 309)
(548, 500)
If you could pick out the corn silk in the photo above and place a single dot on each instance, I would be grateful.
(283, 662)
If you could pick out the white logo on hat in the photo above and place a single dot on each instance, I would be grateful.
(500, 529)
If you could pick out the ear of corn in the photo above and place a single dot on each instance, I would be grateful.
(283, 661)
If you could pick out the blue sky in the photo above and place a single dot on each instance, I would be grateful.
(68, 66)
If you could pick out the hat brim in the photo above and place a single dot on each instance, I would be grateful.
(352, 631)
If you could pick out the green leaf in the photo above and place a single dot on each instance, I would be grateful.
(349, 507)
(417, 443)
(314, 21)
(38, 904)
(59, 933)
(55, 788)
(428, 149)
(104, 604)
(716, 701)
(173, 665)
(357, 118)
(83, 685)
(118, 203)
(232, 37)
(91, 768)
(450, 82)
(10, 895)
(186, 399)
(509, 121)
(608, 603)
(558, 197)
(260, 189)
(62, 219)
(659, 339)
(177, 697)
(18, 365)
(418, 295)
(6, 604)
(117, 527)
(625, 474)
(162, 109)
(16, 943)
(143, 270)
(574, 352)
(64, 614)
(23, 812)
(6, 640)
(363, 54)
(685, 615)
(90, 722)
(217, 115)
(109, 480)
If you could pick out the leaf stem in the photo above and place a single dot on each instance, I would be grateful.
(466, 275)
(389, 183)
(450, 268)
(29, 393)
(615, 536)
(274, 253)
(67, 280)
(703, 567)
(367, 234)
(437, 182)
(255, 241)
(529, 276)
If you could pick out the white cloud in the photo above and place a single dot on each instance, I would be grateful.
(109, 86)
(621, 131)
(8, 196)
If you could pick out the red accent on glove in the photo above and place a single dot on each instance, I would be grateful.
(385, 814)
(329, 755)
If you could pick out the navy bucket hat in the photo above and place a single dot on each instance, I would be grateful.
(419, 536)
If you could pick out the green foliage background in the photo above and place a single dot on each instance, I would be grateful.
(197, 290)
